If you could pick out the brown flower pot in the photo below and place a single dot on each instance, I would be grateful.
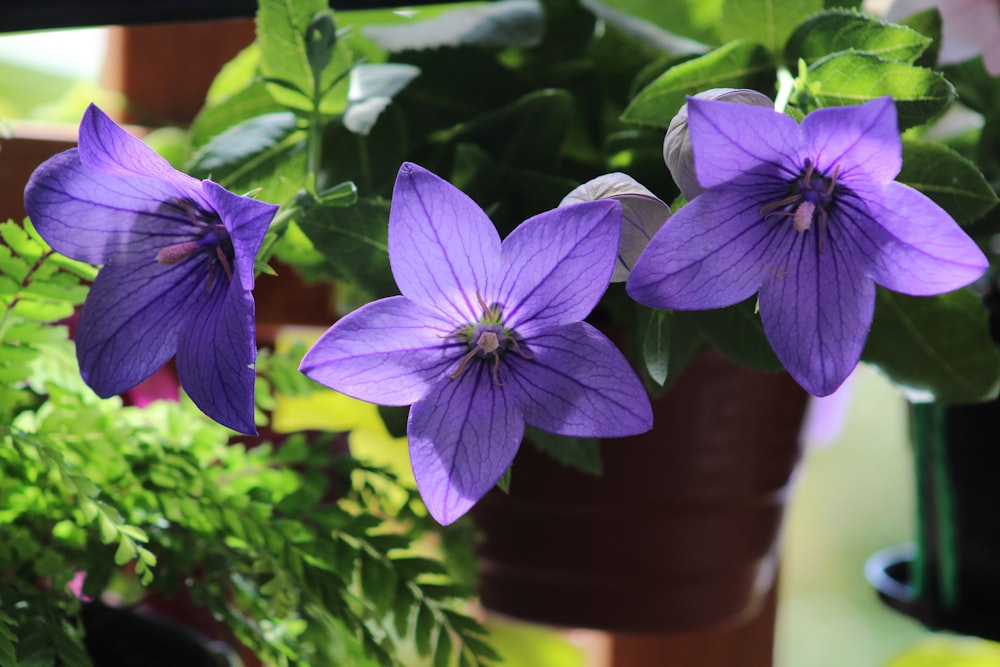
(681, 531)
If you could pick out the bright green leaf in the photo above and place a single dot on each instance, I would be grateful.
(738, 64)
(767, 22)
(125, 551)
(853, 78)
(845, 30)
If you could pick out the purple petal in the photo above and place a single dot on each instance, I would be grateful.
(463, 436)
(578, 383)
(730, 140)
(442, 247)
(107, 148)
(130, 321)
(391, 352)
(559, 263)
(816, 307)
(216, 352)
(247, 221)
(863, 141)
(90, 216)
(711, 253)
(642, 215)
(917, 248)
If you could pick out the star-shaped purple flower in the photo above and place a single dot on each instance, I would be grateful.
(809, 217)
(485, 337)
(178, 258)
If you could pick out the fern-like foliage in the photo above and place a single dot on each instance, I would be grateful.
(310, 558)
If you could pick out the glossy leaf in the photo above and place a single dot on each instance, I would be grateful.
(853, 78)
(953, 182)
(935, 348)
(738, 64)
(265, 152)
(843, 30)
(372, 87)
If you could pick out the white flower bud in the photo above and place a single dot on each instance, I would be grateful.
(677, 144)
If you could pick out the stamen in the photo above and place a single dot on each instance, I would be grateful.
(768, 210)
(462, 364)
(172, 254)
(833, 182)
(224, 261)
(496, 370)
(520, 352)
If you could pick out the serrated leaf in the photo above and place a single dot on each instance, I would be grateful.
(404, 606)
(738, 64)
(935, 348)
(136, 533)
(584, 454)
(848, 30)
(41, 311)
(953, 182)
(411, 567)
(854, 78)
(656, 346)
(378, 583)
(767, 22)
(109, 531)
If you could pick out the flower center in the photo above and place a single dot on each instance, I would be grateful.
(488, 339)
(809, 196)
(209, 237)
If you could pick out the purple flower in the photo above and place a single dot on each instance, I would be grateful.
(809, 218)
(486, 336)
(178, 258)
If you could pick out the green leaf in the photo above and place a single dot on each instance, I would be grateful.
(125, 551)
(372, 87)
(442, 652)
(952, 181)
(767, 22)
(853, 78)
(504, 482)
(282, 27)
(846, 30)
(492, 25)
(353, 241)
(738, 64)
(584, 454)
(528, 132)
(424, 628)
(656, 346)
(248, 103)
(935, 348)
